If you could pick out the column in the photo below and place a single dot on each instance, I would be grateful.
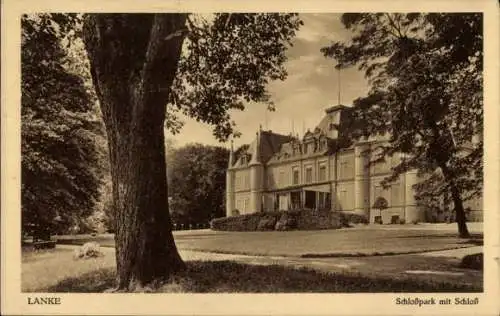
(256, 177)
(362, 179)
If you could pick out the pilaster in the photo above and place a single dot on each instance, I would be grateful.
(362, 179)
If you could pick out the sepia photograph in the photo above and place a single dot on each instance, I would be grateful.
(240, 152)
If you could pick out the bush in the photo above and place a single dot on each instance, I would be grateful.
(88, 250)
(353, 218)
(287, 221)
(245, 222)
(474, 261)
(267, 223)
(402, 221)
(309, 219)
(235, 212)
(280, 220)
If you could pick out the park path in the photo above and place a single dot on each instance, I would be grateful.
(441, 265)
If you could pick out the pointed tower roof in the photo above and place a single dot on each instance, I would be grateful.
(256, 150)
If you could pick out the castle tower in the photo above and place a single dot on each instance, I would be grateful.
(256, 177)
(230, 183)
(412, 212)
(362, 179)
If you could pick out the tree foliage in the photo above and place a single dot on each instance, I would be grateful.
(227, 63)
(380, 203)
(425, 72)
(197, 182)
(60, 158)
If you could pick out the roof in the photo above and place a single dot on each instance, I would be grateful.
(273, 145)
(270, 143)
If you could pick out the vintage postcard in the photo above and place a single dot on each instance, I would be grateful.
(250, 158)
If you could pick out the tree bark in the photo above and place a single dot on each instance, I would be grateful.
(133, 60)
(458, 205)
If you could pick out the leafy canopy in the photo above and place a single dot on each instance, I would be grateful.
(227, 61)
(197, 182)
(59, 127)
(425, 72)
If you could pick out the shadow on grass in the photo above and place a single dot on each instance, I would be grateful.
(231, 277)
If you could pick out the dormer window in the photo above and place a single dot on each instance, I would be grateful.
(244, 159)
(322, 144)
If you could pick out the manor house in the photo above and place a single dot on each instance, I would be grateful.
(321, 170)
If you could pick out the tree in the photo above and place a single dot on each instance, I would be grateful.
(380, 204)
(144, 64)
(197, 182)
(425, 72)
(60, 158)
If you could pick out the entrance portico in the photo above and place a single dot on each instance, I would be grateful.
(310, 197)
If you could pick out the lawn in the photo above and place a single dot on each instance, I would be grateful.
(320, 243)
(57, 271)
(39, 269)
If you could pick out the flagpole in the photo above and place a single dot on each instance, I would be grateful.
(338, 81)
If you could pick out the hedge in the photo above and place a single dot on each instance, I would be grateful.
(287, 220)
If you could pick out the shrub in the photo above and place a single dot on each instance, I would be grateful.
(380, 203)
(280, 220)
(402, 221)
(245, 222)
(353, 218)
(415, 221)
(310, 219)
(235, 212)
(287, 221)
(267, 223)
(474, 261)
(88, 250)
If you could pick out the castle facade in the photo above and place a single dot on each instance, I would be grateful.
(323, 170)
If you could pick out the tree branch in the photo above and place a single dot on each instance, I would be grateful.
(391, 22)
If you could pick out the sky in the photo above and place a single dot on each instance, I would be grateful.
(312, 85)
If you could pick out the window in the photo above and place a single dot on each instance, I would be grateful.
(322, 173)
(295, 174)
(270, 182)
(309, 175)
(343, 170)
(378, 167)
(237, 183)
(240, 205)
(282, 178)
(395, 219)
(343, 199)
(245, 206)
(377, 192)
(246, 182)
(324, 200)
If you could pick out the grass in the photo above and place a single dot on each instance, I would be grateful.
(40, 269)
(323, 243)
(56, 271)
(231, 277)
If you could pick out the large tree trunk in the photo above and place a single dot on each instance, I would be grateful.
(133, 60)
(458, 204)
